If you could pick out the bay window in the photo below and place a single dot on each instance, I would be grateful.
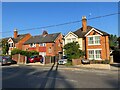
(94, 54)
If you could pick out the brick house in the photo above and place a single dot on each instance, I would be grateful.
(17, 41)
(93, 41)
(46, 44)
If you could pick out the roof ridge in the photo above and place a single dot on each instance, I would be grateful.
(47, 34)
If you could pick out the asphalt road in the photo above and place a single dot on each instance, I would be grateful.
(54, 77)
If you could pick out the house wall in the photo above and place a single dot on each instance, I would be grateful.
(58, 44)
(79, 40)
(11, 48)
(19, 45)
(104, 46)
(55, 47)
(52, 52)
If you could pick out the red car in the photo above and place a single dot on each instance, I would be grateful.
(35, 58)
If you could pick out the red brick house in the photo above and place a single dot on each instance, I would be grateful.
(46, 44)
(93, 41)
(17, 41)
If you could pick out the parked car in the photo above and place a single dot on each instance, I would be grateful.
(4, 60)
(63, 60)
(85, 61)
(35, 58)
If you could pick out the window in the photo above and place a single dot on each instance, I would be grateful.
(32, 45)
(90, 40)
(71, 40)
(10, 44)
(74, 39)
(93, 40)
(91, 54)
(68, 40)
(98, 54)
(94, 54)
(50, 50)
(97, 39)
(42, 44)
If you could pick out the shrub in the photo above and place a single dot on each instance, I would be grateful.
(25, 53)
(15, 51)
(69, 63)
(105, 61)
(99, 61)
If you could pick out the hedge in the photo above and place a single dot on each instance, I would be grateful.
(25, 53)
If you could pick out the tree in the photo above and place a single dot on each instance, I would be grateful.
(5, 46)
(72, 50)
(113, 40)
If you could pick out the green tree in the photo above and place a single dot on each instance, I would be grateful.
(72, 51)
(5, 46)
(113, 40)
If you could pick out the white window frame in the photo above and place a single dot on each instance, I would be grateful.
(93, 39)
(42, 44)
(33, 45)
(71, 40)
(94, 50)
(9, 43)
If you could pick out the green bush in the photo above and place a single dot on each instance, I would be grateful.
(25, 53)
(99, 61)
(69, 63)
(16, 51)
(105, 62)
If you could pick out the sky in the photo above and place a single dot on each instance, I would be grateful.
(27, 15)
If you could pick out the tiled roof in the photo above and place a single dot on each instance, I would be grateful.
(19, 37)
(81, 34)
(42, 38)
(15, 40)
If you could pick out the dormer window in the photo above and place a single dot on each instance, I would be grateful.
(32, 45)
(42, 44)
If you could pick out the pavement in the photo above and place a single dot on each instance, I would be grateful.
(113, 67)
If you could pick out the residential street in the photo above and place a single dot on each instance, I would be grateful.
(54, 77)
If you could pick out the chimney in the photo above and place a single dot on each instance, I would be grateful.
(44, 33)
(15, 33)
(84, 23)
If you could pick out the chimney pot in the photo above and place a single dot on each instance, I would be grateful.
(44, 33)
(83, 17)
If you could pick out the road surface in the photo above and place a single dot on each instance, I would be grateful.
(54, 77)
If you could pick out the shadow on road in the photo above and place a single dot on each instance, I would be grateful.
(52, 83)
(29, 77)
(45, 80)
